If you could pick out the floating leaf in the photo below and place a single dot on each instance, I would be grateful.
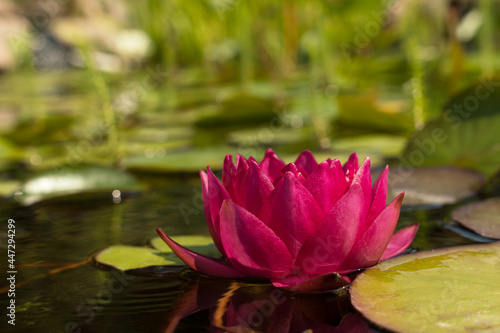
(432, 185)
(80, 179)
(198, 243)
(465, 136)
(448, 290)
(124, 257)
(483, 217)
(466, 233)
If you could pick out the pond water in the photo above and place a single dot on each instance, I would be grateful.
(88, 299)
(60, 289)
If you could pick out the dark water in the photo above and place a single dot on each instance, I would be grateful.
(85, 298)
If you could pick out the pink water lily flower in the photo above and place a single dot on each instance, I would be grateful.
(295, 222)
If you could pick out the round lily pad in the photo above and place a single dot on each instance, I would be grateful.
(125, 257)
(455, 289)
(483, 217)
(198, 243)
(433, 186)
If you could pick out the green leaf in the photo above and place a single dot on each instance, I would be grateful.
(124, 257)
(483, 217)
(465, 136)
(448, 290)
(81, 179)
(198, 243)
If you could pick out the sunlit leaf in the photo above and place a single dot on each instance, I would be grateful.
(448, 290)
(124, 257)
(483, 217)
(198, 243)
(81, 179)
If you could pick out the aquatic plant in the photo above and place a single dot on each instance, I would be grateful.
(295, 222)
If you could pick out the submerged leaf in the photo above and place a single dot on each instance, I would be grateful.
(483, 217)
(448, 290)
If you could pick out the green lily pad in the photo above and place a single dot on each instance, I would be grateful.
(433, 186)
(80, 179)
(447, 290)
(125, 257)
(483, 217)
(465, 136)
(198, 243)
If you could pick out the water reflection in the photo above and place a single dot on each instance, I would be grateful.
(239, 307)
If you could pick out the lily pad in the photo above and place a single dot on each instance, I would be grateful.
(483, 217)
(125, 257)
(81, 179)
(198, 243)
(433, 186)
(448, 290)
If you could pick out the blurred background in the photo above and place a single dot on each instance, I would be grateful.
(109, 109)
(174, 85)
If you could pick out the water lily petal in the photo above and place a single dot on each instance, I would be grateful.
(271, 165)
(322, 184)
(292, 212)
(400, 241)
(255, 189)
(306, 162)
(291, 167)
(201, 263)
(213, 194)
(233, 175)
(351, 168)
(371, 245)
(363, 177)
(379, 196)
(251, 246)
(329, 244)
